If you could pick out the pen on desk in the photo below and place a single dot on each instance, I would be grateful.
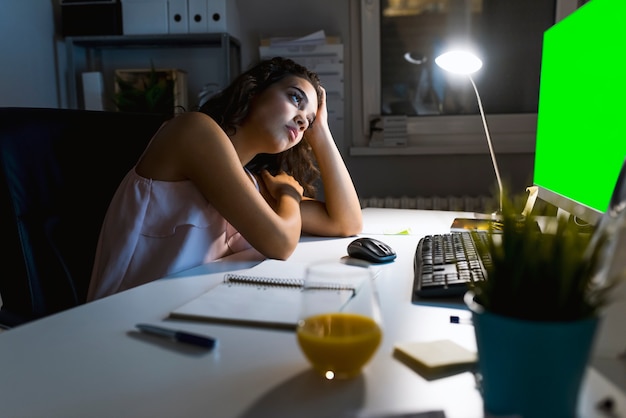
(181, 336)
(454, 319)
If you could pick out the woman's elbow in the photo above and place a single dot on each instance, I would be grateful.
(279, 249)
(351, 231)
(279, 253)
(351, 227)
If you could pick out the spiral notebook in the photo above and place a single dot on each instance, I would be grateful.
(267, 295)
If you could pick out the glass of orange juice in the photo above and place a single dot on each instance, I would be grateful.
(339, 328)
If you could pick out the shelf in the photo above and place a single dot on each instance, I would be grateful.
(221, 63)
(158, 41)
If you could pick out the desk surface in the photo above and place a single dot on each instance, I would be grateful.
(89, 361)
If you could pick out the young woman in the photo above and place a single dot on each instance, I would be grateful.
(235, 177)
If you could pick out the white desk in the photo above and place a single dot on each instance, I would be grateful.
(89, 361)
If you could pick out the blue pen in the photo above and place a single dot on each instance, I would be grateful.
(181, 336)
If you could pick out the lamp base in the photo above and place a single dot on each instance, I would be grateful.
(485, 222)
(482, 223)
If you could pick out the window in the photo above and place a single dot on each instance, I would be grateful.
(401, 38)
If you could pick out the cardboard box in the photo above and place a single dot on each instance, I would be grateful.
(151, 90)
(91, 17)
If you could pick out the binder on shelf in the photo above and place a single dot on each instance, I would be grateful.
(217, 15)
(198, 17)
(144, 17)
(178, 21)
(202, 16)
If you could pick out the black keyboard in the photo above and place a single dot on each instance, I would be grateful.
(445, 263)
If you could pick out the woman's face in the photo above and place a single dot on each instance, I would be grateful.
(282, 113)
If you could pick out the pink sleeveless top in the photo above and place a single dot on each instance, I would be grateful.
(156, 228)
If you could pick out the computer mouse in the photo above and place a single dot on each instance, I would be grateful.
(372, 250)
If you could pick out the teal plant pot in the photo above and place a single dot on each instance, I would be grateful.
(530, 368)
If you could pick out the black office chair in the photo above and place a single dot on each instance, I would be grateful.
(59, 169)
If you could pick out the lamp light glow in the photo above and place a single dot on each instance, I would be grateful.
(459, 62)
(466, 63)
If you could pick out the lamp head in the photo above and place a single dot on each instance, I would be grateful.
(459, 62)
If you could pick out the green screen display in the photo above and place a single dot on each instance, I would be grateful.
(581, 126)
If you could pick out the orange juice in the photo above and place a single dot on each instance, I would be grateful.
(340, 343)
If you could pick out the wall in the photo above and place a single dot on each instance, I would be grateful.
(28, 78)
(27, 74)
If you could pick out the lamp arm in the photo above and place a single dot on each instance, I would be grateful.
(493, 156)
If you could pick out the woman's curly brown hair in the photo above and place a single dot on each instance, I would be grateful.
(230, 107)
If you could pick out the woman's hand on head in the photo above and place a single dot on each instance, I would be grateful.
(281, 184)
(320, 125)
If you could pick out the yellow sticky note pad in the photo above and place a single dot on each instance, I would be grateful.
(435, 356)
(400, 231)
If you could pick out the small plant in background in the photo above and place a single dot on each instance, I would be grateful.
(151, 92)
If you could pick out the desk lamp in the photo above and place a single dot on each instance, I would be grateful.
(463, 62)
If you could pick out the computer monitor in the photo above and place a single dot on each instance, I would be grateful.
(581, 136)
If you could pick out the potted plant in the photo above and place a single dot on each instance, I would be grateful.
(150, 91)
(536, 315)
